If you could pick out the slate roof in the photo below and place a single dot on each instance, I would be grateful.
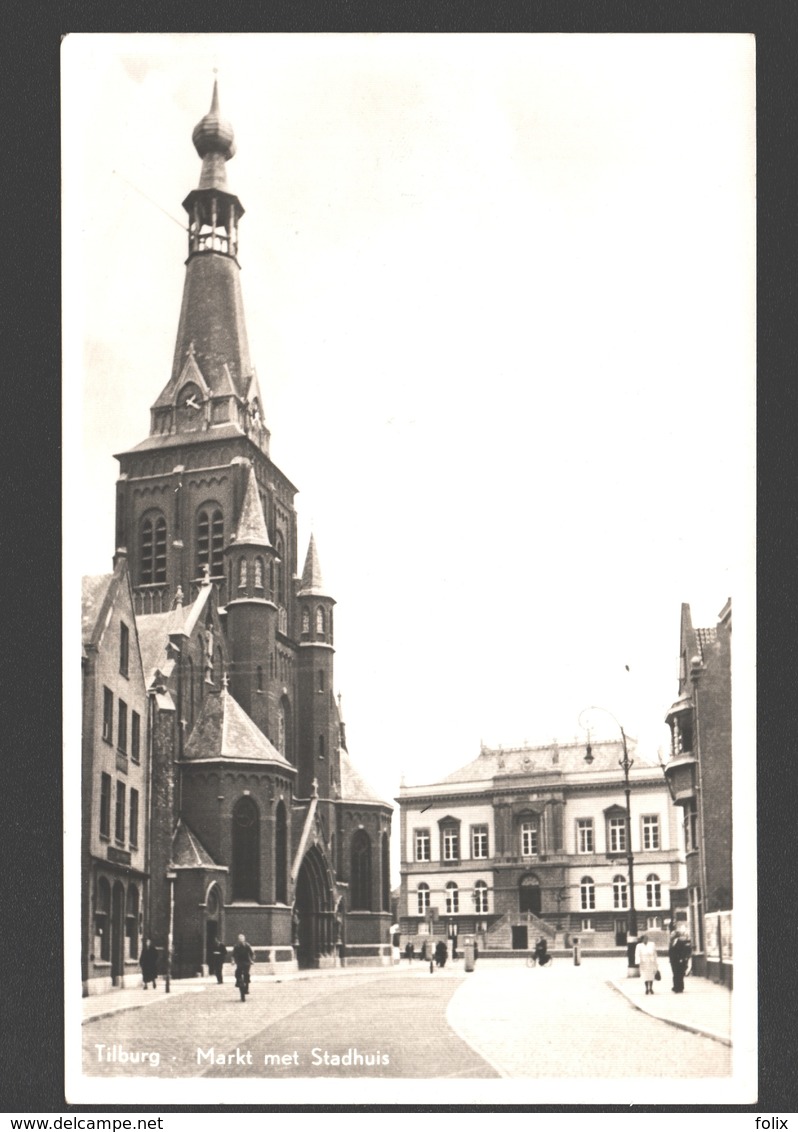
(706, 637)
(312, 584)
(552, 759)
(187, 849)
(225, 731)
(251, 529)
(353, 787)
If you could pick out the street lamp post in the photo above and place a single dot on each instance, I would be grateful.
(171, 877)
(625, 764)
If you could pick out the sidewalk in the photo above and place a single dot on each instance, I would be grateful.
(704, 1007)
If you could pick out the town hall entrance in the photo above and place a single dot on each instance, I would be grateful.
(315, 912)
(529, 895)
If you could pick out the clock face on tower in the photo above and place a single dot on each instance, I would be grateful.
(189, 407)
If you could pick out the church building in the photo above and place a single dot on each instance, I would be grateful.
(258, 822)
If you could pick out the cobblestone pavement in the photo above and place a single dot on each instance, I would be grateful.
(566, 1021)
(504, 1019)
(345, 1018)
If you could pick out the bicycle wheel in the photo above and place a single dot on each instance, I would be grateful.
(530, 960)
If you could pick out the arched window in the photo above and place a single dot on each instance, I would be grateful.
(321, 680)
(305, 620)
(321, 746)
(620, 892)
(281, 568)
(319, 621)
(258, 573)
(152, 549)
(284, 732)
(189, 692)
(386, 873)
(653, 891)
(242, 573)
(480, 898)
(361, 872)
(210, 541)
(280, 855)
(132, 922)
(422, 895)
(246, 850)
(452, 898)
(259, 675)
(587, 894)
(102, 921)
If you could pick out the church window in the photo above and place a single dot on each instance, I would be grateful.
(280, 855)
(422, 895)
(305, 621)
(105, 805)
(152, 548)
(260, 678)
(386, 873)
(210, 542)
(319, 622)
(361, 872)
(242, 573)
(246, 850)
(321, 679)
(280, 548)
(452, 898)
(258, 573)
(321, 746)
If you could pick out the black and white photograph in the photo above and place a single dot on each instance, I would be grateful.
(409, 502)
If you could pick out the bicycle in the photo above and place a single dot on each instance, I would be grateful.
(533, 961)
(242, 981)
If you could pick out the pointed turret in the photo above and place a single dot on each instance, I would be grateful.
(312, 584)
(251, 529)
(318, 725)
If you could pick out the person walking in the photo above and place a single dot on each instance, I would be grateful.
(541, 952)
(148, 961)
(409, 951)
(679, 951)
(243, 957)
(441, 953)
(646, 960)
(218, 958)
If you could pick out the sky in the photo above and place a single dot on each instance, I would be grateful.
(499, 293)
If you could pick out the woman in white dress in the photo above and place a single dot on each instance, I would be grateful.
(646, 959)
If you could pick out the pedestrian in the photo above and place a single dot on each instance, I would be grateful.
(148, 961)
(244, 957)
(441, 954)
(218, 959)
(646, 960)
(409, 951)
(679, 951)
(541, 952)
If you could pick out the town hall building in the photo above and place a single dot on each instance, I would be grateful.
(257, 820)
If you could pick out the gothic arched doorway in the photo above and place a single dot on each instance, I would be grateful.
(314, 909)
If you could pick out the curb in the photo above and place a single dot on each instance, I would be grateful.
(704, 1033)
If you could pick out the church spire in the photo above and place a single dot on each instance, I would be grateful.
(312, 583)
(251, 530)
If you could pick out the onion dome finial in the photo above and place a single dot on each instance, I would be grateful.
(212, 134)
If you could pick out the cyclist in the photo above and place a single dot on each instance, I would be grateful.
(243, 957)
(542, 951)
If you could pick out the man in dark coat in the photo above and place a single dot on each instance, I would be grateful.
(243, 957)
(218, 957)
(679, 951)
(441, 954)
(148, 961)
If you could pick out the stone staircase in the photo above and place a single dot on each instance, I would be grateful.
(499, 936)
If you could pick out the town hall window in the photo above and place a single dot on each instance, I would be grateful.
(479, 842)
(620, 898)
(616, 835)
(584, 835)
(529, 838)
(650, 831)
(452, 898)
(422, 896)
(450, 837)
(422, 845)
(653, 891)
(480, 898)
(587, 894)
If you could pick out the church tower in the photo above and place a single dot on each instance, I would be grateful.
(319, 728)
